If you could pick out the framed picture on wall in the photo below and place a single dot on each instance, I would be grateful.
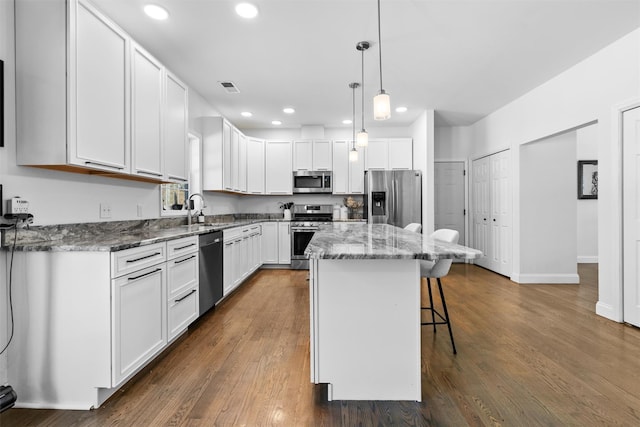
(587, 179)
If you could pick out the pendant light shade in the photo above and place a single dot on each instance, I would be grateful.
(353, 153)
(381, 106)
(381, 102)
(362, 139)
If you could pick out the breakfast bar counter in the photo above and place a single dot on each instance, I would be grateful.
(365, 308)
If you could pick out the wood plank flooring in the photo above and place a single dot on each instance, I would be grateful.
(528, 355)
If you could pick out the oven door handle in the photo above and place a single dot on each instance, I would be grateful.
(304, 228)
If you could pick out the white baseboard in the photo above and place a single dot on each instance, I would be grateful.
(548, 278)
(587, 259)
(607, 310)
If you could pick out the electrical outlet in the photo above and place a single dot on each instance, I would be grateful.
(105, 210)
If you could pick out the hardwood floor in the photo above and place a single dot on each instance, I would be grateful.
(527, 355)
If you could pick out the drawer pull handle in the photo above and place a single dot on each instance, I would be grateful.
(144, 257)
(186, 296)
(183, 260)
(184, 247)
(145, 274)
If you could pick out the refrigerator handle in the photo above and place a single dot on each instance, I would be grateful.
(395, 201)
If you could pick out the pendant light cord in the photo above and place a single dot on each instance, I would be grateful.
(362, 89)
(353, 97)
(379, 46)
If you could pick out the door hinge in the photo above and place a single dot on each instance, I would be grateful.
(464, 172)
(464, 212)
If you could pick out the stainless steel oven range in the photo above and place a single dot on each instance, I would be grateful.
(305, 220)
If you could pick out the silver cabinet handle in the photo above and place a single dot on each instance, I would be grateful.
(104, 165)
(186, 296)
(184, 247)
(144, 257)
(145, 274)
(183, 260)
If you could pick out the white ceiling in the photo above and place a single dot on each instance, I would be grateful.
(463, 59)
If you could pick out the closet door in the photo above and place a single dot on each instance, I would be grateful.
(491, 187)
(481, 209)
(631, 214)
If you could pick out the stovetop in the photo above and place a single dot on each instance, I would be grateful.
(311, 215)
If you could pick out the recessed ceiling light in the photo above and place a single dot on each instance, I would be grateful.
(288, 110)
(156, 12)
(276, 122)
(247, 10)
(246, 114)
(347, 122)
(401, 110)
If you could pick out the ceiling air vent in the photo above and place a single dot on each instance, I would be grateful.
(229, 87)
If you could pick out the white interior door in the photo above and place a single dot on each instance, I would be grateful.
(500, 213)
(480, 186)
(631, 214)
(449, 197)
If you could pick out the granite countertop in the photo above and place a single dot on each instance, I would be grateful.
(110, 238)
(381, 241)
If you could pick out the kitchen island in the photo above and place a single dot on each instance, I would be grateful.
(364, 293)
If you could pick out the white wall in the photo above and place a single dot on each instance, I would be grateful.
(423, 134)
(548, 211)
(583, 94)
(587, 218)
(452, 143)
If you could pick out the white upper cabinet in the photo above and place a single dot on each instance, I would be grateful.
(146, 113)
(227, 157)
(255, 166)
(302, 155)
(242, 163)
(175, 129)
(216, 154)
(235, 159)
(278, 158)
(322, 157)
(401, 153)
(348, 177)
(390, 154)
(84, 90)
(311, 155)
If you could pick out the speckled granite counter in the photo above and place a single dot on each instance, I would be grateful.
(118, 235)
(380, 241)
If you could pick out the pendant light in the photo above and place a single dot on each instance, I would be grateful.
(353, 153)
(362, 139)
(381, 102)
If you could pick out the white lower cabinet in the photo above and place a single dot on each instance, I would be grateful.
(139, 326)
(276, 243)
(240, 256)
(182, 284)
(89, 321)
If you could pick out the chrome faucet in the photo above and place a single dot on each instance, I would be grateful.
(189, 206)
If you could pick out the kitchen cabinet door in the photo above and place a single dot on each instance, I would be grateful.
(235, 159)
(228, 272)
(255, 166)
(302, 155)
(140, 319)
(356, 172)
(269, 243)
(377, 154)
(278, 167)
(100, 96)
(227, 154)
(284, 243)
(340, 167)
(146, 113)
(400, 153)
(242, 164)
(322, 157)
(175, 135)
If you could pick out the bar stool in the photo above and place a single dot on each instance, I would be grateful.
(414, 226)
(436, 270)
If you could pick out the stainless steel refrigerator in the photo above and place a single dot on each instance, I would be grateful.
(393, 197)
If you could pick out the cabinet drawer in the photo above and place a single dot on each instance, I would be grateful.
(129, 260)
(233, 233)
(255, 229)
(182, 274)
(182, 311)
(179, 247)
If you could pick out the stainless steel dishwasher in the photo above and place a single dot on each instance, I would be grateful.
(210, 270)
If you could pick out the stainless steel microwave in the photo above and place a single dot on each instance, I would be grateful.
(312, 182)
